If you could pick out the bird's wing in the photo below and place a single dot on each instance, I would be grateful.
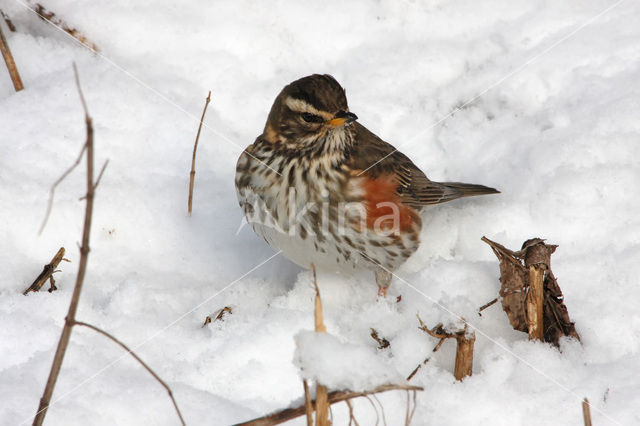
(376, 159)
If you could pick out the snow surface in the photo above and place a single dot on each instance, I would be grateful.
(549, 95)
(323, 358)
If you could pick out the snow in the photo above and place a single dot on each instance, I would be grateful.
(339, 365)
(548, 113)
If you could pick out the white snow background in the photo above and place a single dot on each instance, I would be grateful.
(550, 97)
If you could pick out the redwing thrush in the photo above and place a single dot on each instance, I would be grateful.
(326, 191)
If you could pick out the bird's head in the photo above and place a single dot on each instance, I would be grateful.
(307, 111)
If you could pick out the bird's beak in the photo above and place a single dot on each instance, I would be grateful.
(342, 118)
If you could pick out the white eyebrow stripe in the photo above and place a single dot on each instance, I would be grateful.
(299, 105)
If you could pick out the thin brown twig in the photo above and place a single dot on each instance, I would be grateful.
(439, 344)
(406, 415)
(11, 64)
(192, 175)
(352, 418)
(384, 418)
(415, 370)
(52, 190)
(441, 336)
(104, 166)
(410, 409)
(486, 305)
(375, 409)
(415, 405)
(137, 358)
(433, 333)
(95, 185)
(427, 359)
(82, 267)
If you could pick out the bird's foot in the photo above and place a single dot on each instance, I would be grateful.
(382, 291)
(383, 279)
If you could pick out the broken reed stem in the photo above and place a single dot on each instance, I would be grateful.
(137, 358)
(47, 273)
(82, 267)
(464, 348)
(586, 412)
(192, 175)
(11, 65)
(464, 355)
(322, 406)
(534, 303)
(307, 403)
(333, 398)
(317, 313)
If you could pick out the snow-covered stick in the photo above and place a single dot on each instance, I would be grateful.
(11, 65)
(192, 175)
(322, 401)
(534, 303)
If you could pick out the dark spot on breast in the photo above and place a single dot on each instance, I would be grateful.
(348, 240)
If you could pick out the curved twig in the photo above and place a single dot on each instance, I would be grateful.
(137, 358)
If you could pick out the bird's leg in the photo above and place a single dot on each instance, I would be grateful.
(383, 279)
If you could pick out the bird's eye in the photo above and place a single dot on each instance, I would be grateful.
(311, 118)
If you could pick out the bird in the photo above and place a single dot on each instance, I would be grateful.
(328, 193)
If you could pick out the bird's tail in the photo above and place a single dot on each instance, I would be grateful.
(454, 190)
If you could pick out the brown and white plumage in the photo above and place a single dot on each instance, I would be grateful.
(311, 161)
